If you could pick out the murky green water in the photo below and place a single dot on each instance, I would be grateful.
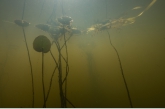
(94, 79)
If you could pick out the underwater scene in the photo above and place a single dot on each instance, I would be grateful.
(82, 53)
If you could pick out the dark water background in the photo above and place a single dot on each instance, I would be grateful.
(95, 78)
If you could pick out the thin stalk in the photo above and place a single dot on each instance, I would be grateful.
(60, 81)
(30, 66)
(28, 56)
(43, 85)
(128, 94)
(50, 84)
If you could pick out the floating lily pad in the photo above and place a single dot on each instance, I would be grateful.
(65, 20)
(22, 23)
(43, 27)
(41, 44)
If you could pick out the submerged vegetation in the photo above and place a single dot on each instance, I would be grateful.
(60, 28)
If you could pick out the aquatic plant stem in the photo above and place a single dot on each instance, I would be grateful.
(61, 84)
(43, 85)
(62, 98)
(53, 12)
(28, 56)
(23, 9)
(67, 65)
(50, 84)
(60, 81)
(129, 97)
(66, 41)
(41, 8)
(30, 67)
(106, 7)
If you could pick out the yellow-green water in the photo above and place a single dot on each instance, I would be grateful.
(94, 78)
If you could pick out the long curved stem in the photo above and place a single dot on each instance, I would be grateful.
(43, 85)
(28, 56)
(129, 97)
(50, 84)
(30, 66)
